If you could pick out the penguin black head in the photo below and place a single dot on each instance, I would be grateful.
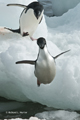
(41, 42)
(37, 12)
(37, 7)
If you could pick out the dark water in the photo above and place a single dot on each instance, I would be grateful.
(12, 109)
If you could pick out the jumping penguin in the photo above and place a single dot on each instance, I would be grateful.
(29, 19)
(45, 68)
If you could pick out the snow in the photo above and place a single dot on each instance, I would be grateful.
(59, 115)
(18, 82)
(31, 118)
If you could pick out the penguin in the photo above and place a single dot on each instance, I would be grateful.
(29, 19)
(45, 67)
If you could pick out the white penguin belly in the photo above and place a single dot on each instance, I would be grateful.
(28, 22)
(45, 70)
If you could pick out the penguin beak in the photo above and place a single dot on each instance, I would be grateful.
(41, 46)
(37, 17)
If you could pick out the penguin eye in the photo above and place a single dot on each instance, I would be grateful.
(39, 13)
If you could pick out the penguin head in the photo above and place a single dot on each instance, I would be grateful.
(41, 42)
(37, 8)
(37, 11)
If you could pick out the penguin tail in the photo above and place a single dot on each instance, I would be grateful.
(15, 31)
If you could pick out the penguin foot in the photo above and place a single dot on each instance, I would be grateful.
(25, 34)
(38, 83)
(32, 38)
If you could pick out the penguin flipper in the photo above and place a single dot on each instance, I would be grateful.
(60, 54)
(16, 30)
(19, 5)
(26, 62)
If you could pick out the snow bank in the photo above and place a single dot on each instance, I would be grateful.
(18, 81)
(18, 78)
(61, 6)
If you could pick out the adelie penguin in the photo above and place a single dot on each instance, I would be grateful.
(29, 19)
(45, 68)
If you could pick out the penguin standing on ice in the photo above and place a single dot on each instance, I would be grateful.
(45, 68)
(29, 19)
